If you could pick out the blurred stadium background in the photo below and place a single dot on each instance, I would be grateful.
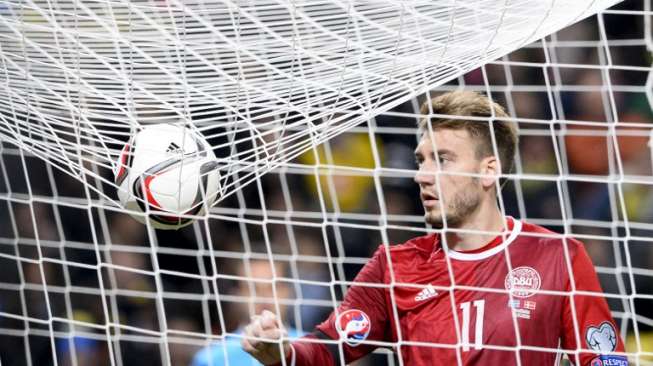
(168, 294)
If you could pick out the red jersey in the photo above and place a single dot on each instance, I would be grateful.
(512, 302)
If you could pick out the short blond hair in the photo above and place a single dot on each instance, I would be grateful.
(472, 104)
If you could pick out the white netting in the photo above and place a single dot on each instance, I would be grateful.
(264, 80)
(82, 283)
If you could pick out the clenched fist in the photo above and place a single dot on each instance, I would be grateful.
(265, 350)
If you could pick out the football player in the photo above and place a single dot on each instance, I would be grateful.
(484, 289)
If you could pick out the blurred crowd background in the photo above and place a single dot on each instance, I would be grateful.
(166, 295)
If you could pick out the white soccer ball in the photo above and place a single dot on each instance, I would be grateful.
(168, 172)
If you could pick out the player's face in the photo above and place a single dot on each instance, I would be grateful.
(441, 157)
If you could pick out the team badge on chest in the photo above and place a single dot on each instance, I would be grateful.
(353, 326)
(523, 282)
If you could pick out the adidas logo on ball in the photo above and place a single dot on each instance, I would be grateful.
(162, 183)
(174, 149)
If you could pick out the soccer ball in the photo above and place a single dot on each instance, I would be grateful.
(168, 172)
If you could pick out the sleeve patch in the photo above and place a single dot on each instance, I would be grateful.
(609, 360)
(353, 326)
(601, 339)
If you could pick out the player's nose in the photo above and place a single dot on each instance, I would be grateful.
(423, 177)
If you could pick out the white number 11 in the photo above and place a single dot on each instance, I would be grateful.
(478, 329)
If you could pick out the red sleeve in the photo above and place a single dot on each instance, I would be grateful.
(365, 296)
(593, 325)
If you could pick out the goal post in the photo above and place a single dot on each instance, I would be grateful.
(312, 109)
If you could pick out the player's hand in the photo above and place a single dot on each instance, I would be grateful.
(265, 326)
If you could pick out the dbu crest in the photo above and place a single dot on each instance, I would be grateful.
(353, 326)
(523, 282)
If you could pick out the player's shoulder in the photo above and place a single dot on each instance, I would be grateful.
(534, 234)
(536, 231)
(420, 245)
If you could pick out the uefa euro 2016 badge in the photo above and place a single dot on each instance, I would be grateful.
(353, 326)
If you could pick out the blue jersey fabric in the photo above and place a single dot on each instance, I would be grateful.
(229, 350)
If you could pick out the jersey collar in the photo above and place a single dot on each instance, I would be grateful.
(474, 256)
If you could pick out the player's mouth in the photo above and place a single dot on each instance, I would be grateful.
(428, 199)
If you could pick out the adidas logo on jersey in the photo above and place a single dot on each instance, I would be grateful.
(426, 293)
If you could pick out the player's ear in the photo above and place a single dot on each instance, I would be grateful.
(490, 169)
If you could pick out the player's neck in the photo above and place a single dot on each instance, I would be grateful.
(487, 218)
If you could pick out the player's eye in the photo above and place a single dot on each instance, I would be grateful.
(444, 159)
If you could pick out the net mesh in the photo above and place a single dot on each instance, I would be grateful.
(323, 97)
(265, 81)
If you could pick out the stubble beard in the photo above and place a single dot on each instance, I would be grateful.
(461, 206)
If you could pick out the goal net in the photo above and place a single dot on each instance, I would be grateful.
(312, 110)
